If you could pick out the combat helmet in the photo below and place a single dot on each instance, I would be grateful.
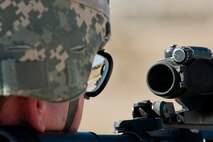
(47, 47)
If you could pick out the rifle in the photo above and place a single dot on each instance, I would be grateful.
(186, 75)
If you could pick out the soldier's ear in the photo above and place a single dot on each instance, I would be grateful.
(33, 113)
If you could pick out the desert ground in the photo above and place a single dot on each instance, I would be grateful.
(141, 30)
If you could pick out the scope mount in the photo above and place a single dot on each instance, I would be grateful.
(160, 117)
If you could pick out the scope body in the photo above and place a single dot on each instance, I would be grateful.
(185, 74)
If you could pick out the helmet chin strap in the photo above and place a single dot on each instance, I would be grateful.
(73, 106)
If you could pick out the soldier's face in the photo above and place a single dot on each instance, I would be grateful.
(39, 115)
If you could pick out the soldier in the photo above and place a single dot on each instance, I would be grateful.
(46, 52)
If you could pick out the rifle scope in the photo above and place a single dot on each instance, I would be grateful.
(185, 72)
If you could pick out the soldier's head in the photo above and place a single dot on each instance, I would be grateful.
(47, 48)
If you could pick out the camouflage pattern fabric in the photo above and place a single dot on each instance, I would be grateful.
(47, 46)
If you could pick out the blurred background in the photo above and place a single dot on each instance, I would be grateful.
(141, 30)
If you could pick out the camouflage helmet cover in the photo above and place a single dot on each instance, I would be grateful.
(47, 46)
